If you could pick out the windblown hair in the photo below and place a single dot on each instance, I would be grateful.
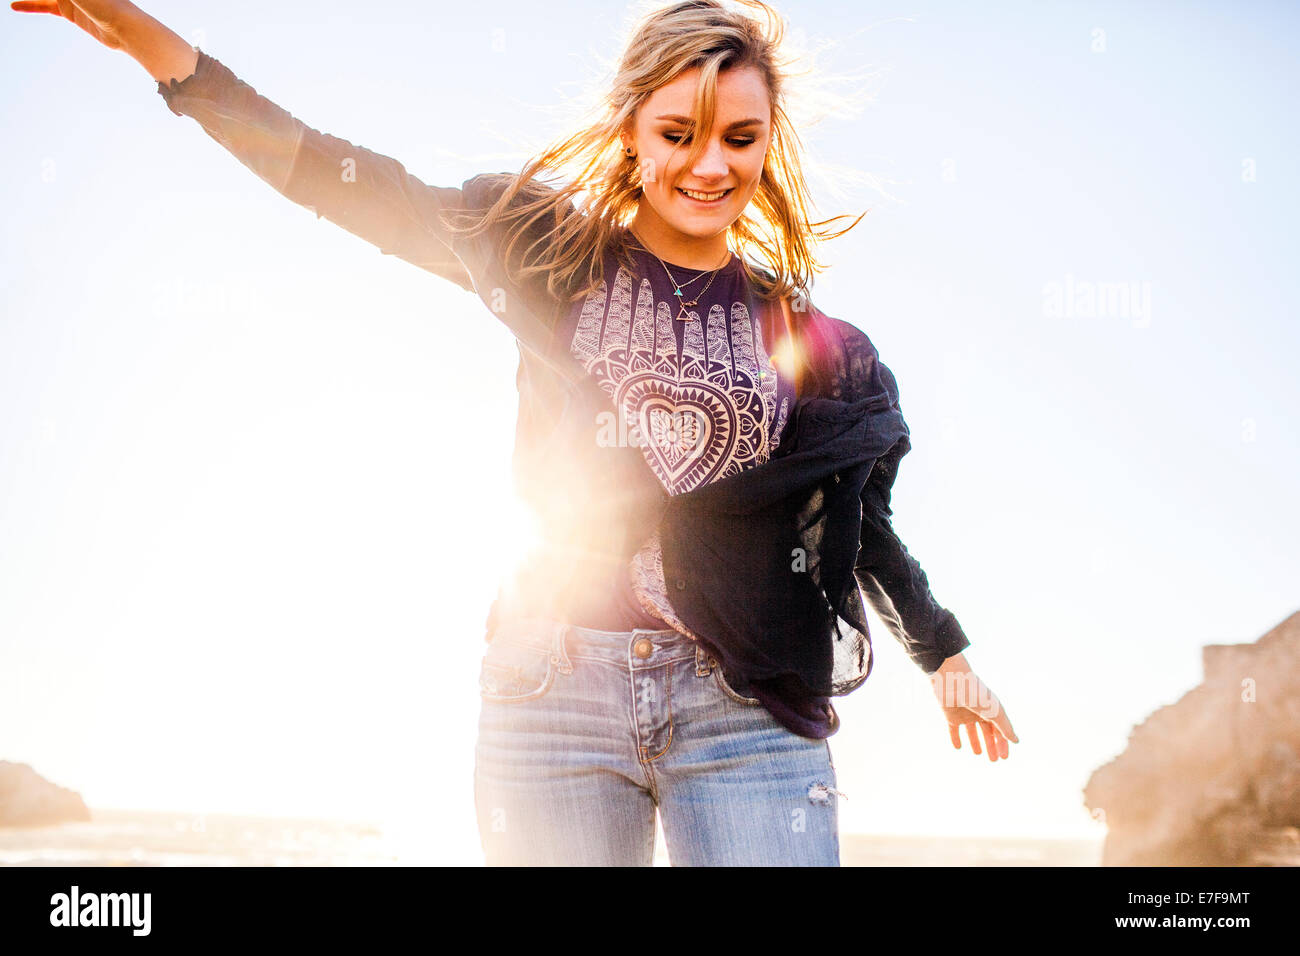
(773, 231)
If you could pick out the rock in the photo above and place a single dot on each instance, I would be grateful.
(1214, 778)
(29, 800)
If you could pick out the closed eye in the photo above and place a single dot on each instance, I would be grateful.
(740, 142)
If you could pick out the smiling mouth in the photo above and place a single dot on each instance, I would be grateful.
(707, 199)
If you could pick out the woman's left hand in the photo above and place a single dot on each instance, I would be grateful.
(967, 700)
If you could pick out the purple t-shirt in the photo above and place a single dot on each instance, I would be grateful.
(694, 385)
(698, 391)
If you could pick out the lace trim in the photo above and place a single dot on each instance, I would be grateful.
(647, 573)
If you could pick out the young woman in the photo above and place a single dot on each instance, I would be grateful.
(709, 455)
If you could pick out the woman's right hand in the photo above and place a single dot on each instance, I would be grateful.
(121, 25)
(99, 18)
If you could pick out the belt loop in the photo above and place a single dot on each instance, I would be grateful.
(702, 668)
(559, 655)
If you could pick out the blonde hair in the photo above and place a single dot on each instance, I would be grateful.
(775, 227)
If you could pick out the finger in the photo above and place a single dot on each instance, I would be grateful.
(1004, 725)
(990, 741)
(35, 6)
(956, 737)
(974, 738)
(998, 714)
(981, 727)
(1004, 748)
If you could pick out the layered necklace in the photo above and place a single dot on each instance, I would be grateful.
(682, 302)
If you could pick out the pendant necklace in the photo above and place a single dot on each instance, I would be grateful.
(678, 286)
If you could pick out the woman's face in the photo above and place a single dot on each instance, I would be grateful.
(732, 162)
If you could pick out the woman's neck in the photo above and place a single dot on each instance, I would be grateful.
(677, 249)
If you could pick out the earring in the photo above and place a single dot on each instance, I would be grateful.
(629, 152)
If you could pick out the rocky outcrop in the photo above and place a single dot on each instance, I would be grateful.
(1214, 778)
(29, 800)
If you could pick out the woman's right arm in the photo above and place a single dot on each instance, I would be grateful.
(164, 53)
(367, 193)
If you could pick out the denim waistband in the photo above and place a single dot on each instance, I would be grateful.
(639, 647)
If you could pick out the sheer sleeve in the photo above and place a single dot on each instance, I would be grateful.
(891, 579)
(374, 197)
(368, 194)
(894, 583)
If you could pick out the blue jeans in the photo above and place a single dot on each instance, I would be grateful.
(583, 733)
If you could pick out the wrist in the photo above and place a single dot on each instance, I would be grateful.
(957, 663)
(165, 54)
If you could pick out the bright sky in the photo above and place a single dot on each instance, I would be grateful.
(238, 570)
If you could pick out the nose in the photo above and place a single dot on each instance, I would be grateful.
(711, 165)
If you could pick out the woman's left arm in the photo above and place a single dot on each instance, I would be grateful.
(897, 588)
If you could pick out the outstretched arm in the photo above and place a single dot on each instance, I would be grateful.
(367, 193)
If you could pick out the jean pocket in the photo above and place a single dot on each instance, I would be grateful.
(727, 688)
(514, 671)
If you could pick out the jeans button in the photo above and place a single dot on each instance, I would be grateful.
(643, 648)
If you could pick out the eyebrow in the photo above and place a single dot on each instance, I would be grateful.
(686, 120)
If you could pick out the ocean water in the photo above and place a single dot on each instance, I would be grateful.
(133, 838)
